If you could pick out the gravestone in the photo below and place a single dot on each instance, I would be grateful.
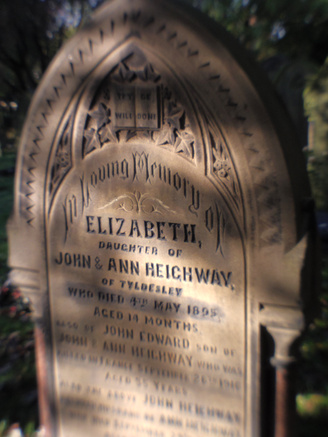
(160, 229)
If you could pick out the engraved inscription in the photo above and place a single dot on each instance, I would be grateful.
(136, 107)
(148, 310)
(125, 114)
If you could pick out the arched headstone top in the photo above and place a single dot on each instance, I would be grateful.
(119, 43)
(158, 185)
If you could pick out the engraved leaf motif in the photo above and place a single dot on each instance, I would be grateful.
(63, 159)
(125, 202)
(62, 162)
(137, 195)
(151, 205)
(174, 115)
(221, 164)
(166, 136)
(108, 133)
(148, 74)
(173, 123)
(130, 134)
(176, 133)
(101, 115)
(167, 94)
(63, 155)
(124, 74)
(92, 140)
(139, 202)
(184, 143)
(147, 135)
(182, 146)
(223, 169)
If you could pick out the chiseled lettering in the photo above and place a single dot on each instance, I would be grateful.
(124, 266)
(174, 226)
(202, 275)
(124, 115)
(90, 219)
(74, 340)
(166, 306)
(121, 221)
(107, 313)
(117, 331)
(134, 229)
(100, 231)
(227, 278)
(159, 355)
(81, 293)
(171, 420)
(188, 274)
(121, 227)
(149, 226)
(164, 340)
(160, 231)
(189, 233)
(170, 323)
(170, 388)
(118, 348)
(158, 401)
(74, 260)
(206, 411)
(205, 365)
(112, 264)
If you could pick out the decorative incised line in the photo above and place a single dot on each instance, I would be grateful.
(140, 203)
(163, 27)
(50, 102)
(35, 141)
(149, 22)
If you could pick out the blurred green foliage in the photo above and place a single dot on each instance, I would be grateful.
(318, 174)
(311, 376)
(316, 108)
(7, 166)
(297, 28)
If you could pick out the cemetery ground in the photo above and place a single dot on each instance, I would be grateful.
(18, 394)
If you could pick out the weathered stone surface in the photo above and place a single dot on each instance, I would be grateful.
(158, 224)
